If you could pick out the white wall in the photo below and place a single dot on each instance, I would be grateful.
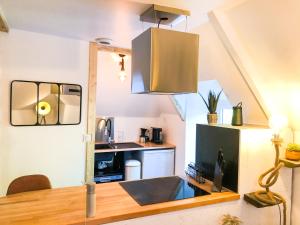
(174, 133)
(297, 136)
(128, 128)
(216, 64)
(56, 151)
(271, 51)
(2, 153)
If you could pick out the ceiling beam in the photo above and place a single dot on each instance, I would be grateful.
(3, 23)
(114, 49)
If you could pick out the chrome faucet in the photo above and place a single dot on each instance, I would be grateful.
(108, 131)
(100, 120)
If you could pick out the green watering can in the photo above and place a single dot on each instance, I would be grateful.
(237, 115)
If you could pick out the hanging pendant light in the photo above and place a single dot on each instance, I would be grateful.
(122, 74)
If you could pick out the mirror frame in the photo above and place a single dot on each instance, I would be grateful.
(37, 100)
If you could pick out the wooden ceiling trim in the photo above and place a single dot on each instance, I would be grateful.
(118, 50)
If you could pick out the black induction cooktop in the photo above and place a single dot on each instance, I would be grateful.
(163, 189)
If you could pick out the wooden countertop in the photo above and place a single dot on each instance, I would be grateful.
(67, 205)
(145, 146)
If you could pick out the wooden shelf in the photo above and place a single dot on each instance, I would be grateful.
(243, 127)
(251, 199)
(290, 163)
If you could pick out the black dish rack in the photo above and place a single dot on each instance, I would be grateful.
(195, 171)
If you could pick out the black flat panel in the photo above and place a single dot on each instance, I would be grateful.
(209, 139)
(164, 189)
(251, 199)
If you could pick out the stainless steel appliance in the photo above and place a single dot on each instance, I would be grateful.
(164, 61)
(104, 129)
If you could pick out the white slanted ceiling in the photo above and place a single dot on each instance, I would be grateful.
(262, 37)
(77, 19)
(88, 19)
(216, 64)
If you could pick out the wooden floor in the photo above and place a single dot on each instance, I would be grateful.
(67, 205)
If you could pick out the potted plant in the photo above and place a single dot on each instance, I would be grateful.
(293, 152)
(230, 220)
(211, 104)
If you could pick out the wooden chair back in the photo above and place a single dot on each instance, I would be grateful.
(28, 183)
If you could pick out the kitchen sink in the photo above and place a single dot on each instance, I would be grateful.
(102, 146)
(118, 145)
(125, 145)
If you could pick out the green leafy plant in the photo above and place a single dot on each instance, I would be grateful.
(293, 147)
(212, 101)
(230, 220)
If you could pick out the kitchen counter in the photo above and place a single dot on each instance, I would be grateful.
(67, 205)
(145, 146)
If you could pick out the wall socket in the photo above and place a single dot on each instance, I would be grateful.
(86, 138)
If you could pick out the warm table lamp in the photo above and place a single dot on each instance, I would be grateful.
(277, 123)
(43, 109)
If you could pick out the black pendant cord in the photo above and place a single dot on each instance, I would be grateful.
(161, 19)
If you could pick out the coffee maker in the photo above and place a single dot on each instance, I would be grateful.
(157, 136)
(144, 137)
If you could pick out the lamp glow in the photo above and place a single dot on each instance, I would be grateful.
(43, 108)
(278, 123)
(115, 57)
(122, 76)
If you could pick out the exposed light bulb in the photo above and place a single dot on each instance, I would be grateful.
(122, 75)
(115, 57)
(278, 123)
(126, 57)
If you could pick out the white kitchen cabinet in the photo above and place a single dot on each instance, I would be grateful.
(157, 163)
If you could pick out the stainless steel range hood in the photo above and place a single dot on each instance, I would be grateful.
(164, 61)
